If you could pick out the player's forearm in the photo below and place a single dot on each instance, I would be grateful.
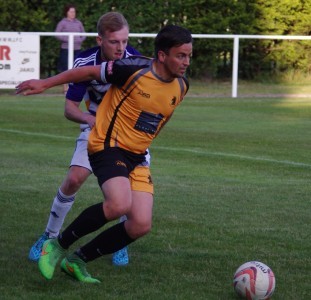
(80, 117)
(73, 113)
(74, 75)
(30, 87)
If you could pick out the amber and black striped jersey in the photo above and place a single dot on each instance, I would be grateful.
(135, 107)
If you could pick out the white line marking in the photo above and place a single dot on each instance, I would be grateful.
(198, 151)
(37, 134)
(207, 153)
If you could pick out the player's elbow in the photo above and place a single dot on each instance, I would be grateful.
(66, 115)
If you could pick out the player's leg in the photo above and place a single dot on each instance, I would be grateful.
(139, 182)
(140, 216)
(61, 205)
(79, 171)
(65, 198)
(116, 237)
(139, 220)
(116, 187)
(121, 257)
(119, 236)
(118, 200)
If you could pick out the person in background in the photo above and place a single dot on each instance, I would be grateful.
(68, 24)
(142, 98)
(112, 40)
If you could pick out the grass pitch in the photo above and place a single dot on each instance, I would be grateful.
(232, 184)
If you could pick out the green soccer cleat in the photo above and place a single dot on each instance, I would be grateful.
(51, 253)
(75, 267)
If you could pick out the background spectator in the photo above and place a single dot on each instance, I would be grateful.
(69, 24)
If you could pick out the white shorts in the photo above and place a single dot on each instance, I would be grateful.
(80, 156)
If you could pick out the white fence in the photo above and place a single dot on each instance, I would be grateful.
(236, 40)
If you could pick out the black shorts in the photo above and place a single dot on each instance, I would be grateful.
(113, 162)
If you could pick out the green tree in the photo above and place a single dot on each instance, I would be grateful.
(212, 58)
(286, 17)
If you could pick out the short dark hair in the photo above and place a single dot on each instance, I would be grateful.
(171, 36)
(67, 7)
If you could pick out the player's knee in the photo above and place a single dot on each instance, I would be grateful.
(115, 210)
(73, 183)
(145, 229)
(139, 230)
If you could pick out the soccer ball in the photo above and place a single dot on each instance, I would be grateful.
(254, 281)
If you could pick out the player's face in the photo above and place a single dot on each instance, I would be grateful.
(177, 60)
(113, 44)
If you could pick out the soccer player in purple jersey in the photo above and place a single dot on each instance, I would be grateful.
(112, 40)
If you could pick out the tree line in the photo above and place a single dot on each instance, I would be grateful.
(212, 58)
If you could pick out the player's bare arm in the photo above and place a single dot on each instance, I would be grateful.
(87, 73)
(73, 113)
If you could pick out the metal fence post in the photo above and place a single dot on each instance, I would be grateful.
(70, 50)
(235, 67)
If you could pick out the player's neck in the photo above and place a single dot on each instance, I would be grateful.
(161, 72)
(103, 58)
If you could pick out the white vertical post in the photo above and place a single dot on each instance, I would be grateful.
(70, 50)
(235, 67)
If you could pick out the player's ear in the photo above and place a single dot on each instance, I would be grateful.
(99, 40)
(161, 56)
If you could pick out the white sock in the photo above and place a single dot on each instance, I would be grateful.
(60, 208)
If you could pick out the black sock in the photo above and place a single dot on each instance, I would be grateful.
(88, 221)
(107, 242)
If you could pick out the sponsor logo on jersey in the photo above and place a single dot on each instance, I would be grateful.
(109, 67)
(143, 94)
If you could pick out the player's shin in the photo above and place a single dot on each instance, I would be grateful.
(88, 221)
(107, 242)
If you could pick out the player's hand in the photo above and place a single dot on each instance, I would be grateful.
(30, 87)
(90, 120)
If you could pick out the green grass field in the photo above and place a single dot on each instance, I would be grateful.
(232, 180)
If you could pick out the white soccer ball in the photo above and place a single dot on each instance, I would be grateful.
(254, 281)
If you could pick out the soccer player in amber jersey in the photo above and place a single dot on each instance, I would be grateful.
(112, 40)
(142, 98)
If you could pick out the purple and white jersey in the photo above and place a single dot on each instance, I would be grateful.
(91, 92)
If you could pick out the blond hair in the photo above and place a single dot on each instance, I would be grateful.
(111, 21)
